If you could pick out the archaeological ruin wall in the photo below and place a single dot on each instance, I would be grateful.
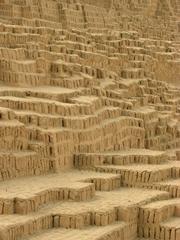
(90, 119)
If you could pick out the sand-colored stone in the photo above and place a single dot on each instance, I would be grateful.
(89, 119)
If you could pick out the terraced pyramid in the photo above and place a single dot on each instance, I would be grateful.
(90, 120)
